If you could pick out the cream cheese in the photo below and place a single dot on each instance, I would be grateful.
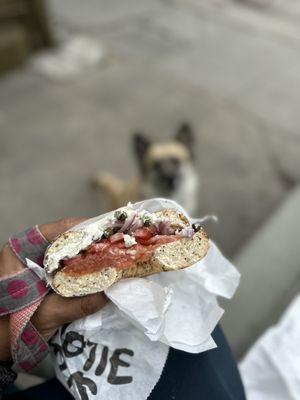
(69, 245)
(129, 241)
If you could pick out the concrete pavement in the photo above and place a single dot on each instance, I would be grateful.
(230, 70)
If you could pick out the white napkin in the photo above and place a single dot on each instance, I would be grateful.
(271, 368)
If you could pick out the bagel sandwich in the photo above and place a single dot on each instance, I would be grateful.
(130, 243)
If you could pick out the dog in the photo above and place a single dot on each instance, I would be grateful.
(165, 169)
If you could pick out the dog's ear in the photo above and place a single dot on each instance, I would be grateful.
(185, 136)
(141, 145)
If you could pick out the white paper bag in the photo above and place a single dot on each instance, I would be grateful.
(119, 353)
(271, 368)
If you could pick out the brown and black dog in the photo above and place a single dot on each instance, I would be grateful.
(165, 169)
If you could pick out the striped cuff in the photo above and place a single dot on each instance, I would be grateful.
(20, 296)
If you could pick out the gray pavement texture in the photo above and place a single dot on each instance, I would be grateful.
(230, 70)
(274, 279)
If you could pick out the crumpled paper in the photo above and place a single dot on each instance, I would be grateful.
(119, 352)
(271, 368)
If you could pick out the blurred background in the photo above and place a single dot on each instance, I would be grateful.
(77, 79)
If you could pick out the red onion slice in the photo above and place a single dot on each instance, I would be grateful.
(128, 221)
(164, 227)
(187, 232)
(117, 224)
(138, 223)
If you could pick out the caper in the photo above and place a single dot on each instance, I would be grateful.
(116, 229)
(196, 227)
(120, 215)
(147, 221)
(107, 232)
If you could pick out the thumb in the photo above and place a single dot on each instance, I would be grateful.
(56, 310)
(53, 229)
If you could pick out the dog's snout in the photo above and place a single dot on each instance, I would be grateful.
(167, 173)
(168, 176)
(171, 181)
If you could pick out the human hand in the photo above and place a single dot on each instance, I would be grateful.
(54, 310)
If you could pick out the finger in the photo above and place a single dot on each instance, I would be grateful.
(76, 308)
(53, 229)
(56, 310)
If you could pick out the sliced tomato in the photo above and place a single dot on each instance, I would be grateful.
(120, 245)
(143, 234)
(117, 237)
